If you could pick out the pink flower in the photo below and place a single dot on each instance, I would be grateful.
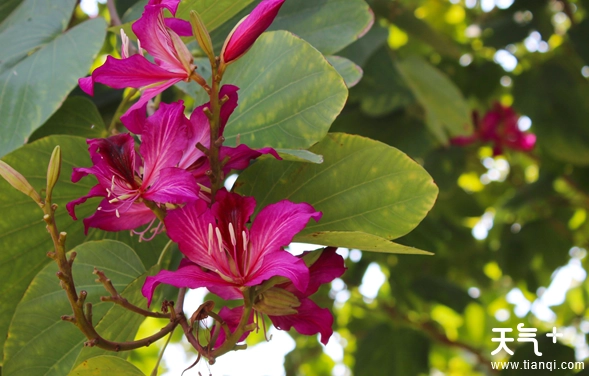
(199, 131)
(308, 319)
(126, 178)
(249, 29)
(226, 256)
(173, 61)
(499, 127)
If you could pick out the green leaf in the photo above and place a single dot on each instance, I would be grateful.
(78, 116)
(106, 366)
(359, 240)
(289, 94)
(24, 31)
(329, 25)
(8, 6)
(383, 89)
(363, 188)
(23, 238)
(447, 113)
(362, 49)
(350, 72)
(387, 351)
(34, 88)
(298, 155)
(37, 327)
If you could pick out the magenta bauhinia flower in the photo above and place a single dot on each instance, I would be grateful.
(173, 61)
(499, 126)
(199, 131)
(306, 317)
(249, 29)
(225, 255)
(126, 178)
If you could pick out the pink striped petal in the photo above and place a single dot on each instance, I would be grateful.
(309, 320)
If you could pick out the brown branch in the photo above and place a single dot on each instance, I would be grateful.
(116, 298)
(114, 15)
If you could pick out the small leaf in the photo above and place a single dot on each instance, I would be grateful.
(299, 155)
(358, 240)
(350, 72)
(447, 114)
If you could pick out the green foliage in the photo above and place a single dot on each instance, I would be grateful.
(289, 94)
(38, 329)
(35, 87)
(386, 200)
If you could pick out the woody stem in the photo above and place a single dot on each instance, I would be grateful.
(216, 173)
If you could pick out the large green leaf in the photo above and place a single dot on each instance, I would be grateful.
(289, 94)
(78, 116)
(39, 342)
(329, 25)
(35, 87)
(23, 238)
(25, 30)
(447, 113)
(106, 366)
(369, 192)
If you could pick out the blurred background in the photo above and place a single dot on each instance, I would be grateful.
(509, 231)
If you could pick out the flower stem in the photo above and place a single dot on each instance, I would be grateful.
(216, 141)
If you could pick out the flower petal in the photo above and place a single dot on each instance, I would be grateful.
(188, 275)
(231, 317)
(180, 27)
(231, 208)
(189, 226)
(95, 191)
(135, 120)
(277, 224)
(171, 5)
(280, 263)
(248, 31)
(309, 320)
(130, 216)
(328, 267)
(173, 186)
(163, 140)
(134, 71)
(240, 156)
(155, 38)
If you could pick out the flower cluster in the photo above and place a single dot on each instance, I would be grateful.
(499, 127)
(172, 181)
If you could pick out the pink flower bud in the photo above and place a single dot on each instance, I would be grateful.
(249, 29)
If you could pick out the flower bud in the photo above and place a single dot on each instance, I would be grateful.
(202, 35)
(19, 182)
(53, 171)
(247, 31)
(277, 302)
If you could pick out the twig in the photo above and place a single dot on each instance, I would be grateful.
(114, 15)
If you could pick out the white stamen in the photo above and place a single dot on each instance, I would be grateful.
(99, 208)
(232, 233)
(124, 44)
(244, 236)
(112, 185)
(210, 237)
(219, 239)
(109, 192)
(117, 213)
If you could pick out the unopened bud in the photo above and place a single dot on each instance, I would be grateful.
(53, 171)
(247, 31)
(277, 302)
(19, 182)
(202, 36)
